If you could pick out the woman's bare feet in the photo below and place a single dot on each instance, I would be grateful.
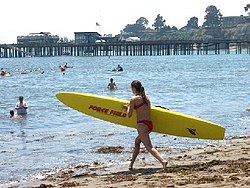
(164, 164)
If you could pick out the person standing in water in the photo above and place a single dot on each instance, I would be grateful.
(21, 106)
(111, 84)
(141, 103)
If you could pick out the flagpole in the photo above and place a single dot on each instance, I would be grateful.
(98, 26)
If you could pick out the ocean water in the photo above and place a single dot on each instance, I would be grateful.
(212, 87)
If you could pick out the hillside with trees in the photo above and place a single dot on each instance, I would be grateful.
(213, 27)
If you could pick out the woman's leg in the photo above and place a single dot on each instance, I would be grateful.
(135, 152)
(145, 139)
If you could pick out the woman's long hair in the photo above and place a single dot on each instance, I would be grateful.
(140, 90)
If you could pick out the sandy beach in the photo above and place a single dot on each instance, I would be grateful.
(223, 165)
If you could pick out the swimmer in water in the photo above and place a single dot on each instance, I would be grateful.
(111, 84)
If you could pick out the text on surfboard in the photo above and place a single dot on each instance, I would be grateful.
(107, 111)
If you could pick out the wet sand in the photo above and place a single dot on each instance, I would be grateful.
(223, 165)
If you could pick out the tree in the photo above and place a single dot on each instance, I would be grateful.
(159, 23)
(193, 23)
(174, 28)
(139, 26)
(213, 17)
(165, 29)
(134, 28)
(142, 21)
(247, 7)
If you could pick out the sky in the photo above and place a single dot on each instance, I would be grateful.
(63, 18)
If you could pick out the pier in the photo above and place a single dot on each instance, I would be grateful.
(138, 48)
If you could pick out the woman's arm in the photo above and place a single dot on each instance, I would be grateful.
(130, 108)
(25, 106)
(17, 106)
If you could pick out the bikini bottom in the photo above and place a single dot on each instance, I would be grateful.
(148, 123)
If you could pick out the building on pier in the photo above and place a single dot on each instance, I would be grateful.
(41, 38)
(86, 37)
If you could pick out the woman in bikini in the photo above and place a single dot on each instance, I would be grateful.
(141, 103)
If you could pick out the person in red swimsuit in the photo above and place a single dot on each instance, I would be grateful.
(141, 103)
(3, 72)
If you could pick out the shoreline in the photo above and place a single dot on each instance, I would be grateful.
(223, 165)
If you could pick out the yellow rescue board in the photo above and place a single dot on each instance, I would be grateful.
(164, 121)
